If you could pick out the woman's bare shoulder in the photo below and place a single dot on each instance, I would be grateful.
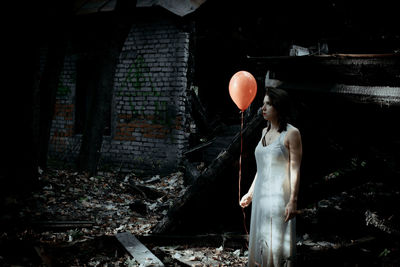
(293, 135)
(293, 130)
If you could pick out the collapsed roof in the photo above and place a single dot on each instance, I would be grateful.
(178, 7)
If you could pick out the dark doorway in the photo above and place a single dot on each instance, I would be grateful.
(85, 90)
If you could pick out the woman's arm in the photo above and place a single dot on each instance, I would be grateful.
(251, 189)
(295, 156)
(246, 199)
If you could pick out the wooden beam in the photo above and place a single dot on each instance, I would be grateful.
(367, 94)
(198, 192)
(226, 240)
(330, 56)
(137, 250)
(63, 224)
(198, 147)
(356, 69)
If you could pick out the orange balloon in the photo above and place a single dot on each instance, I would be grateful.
(242, 89)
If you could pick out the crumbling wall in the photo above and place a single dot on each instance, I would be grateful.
(150, 93)
(148, 114)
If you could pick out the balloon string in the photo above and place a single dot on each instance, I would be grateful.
(240, 170)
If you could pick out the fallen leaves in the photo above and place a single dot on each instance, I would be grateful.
(73, 212)
(106, 199)
(205, 256)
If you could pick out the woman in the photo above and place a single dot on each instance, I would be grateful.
(272, 239)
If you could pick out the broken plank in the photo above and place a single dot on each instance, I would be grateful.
(137, 250)
(226, 240)
(63, 224)
(149, 191)
(197, 194)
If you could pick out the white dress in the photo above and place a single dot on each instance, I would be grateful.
(272, 242)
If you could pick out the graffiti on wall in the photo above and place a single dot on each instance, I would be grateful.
(62, 87)
(138, 84)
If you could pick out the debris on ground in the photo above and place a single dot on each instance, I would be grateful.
(73, 219)
(204, 256)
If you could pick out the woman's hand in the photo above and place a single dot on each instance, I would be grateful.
(246, 200)
(291, 211)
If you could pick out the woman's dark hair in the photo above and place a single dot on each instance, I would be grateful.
(279, 99)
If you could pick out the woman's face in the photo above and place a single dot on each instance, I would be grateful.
(269, 112)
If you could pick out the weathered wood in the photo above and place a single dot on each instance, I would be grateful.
(63, 224)
(198, 147)
(137, 190)
(226, 240)
(309, 246)
(137, 250)
(224, 135)
(326, 57)
(361, 93)
(368, 70)
(358, 242)
(198, 190)
(146, 191)
(387, 55)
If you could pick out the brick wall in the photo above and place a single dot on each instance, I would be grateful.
(64, 144)
(148, 116)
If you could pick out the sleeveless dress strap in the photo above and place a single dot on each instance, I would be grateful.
(283, 135)
(282, 141)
